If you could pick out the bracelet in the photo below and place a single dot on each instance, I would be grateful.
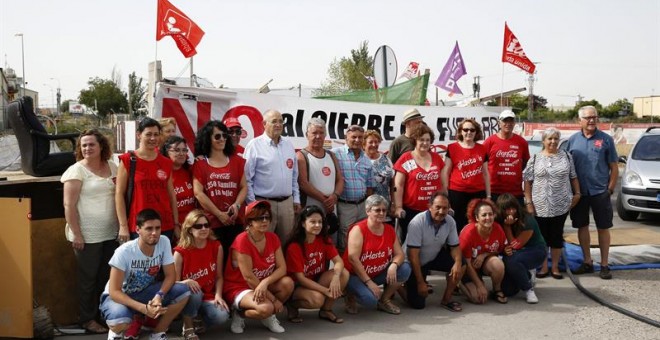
(365, 282)
(577, 193)
(529, 203)
(397, 265)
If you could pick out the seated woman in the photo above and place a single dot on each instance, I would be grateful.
(481, 241)
(308, 251)
(526, 250)
(374, 257)
(198, 263)
(256, 284)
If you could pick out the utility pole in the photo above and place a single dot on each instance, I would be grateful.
(476, 87)
(530, 100)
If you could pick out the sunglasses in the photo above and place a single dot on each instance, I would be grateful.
(262, 218)
(236, 132)
(219, 136)
(469, 130)
(199, 226)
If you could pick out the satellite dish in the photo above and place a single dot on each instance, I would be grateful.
(385, 67)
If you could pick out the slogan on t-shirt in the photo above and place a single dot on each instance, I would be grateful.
(470, 161)
(218, 185)
(505, 163)
(375, 261)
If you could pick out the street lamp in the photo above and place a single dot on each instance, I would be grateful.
(22, 58)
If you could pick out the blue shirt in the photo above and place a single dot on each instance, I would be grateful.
(271, 170)
(358, 174)
(592, 157)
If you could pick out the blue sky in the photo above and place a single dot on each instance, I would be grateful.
(601, 50)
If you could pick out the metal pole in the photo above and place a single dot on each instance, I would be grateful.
(384, 47)
(22, 58)
(299, 89)
(191, 71)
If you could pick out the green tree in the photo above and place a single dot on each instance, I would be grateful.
(573, 113)
(136, 94)
(348, 73)
(105, 96)
(621, 107)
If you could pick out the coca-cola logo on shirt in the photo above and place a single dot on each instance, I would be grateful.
(223, 176)
(325, 171)
(507, 154)
(289, 163)
(161, 174)
(430, 176)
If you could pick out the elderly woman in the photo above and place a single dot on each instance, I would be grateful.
(308, 251)
(91, 221)
(549, 177)
(417, 177)
(167, 128)
(176, 149)
(198, 260)
(219, 181)
(383, 171)
(374, 257)
(482, 241)
(466, 170)
(256, 284)
(526, 248)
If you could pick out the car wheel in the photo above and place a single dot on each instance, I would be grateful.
(624, 214)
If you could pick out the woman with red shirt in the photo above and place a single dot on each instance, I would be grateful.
(219, 181)
(417, 178)
(308, 250)
(176, 149)
(374, 257)
(256, 284)
(482, 241)
(466, 170)
(198, 262)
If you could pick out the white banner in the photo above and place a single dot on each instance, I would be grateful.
(192, 107)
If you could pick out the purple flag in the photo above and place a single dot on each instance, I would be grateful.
(453, 70)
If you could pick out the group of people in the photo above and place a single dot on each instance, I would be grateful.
(235, 233)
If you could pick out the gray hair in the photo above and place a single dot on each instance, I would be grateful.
(585, 108)
(316, 121)
(375, 200)
(549, 132)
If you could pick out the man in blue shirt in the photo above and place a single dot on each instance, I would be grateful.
(597, 170)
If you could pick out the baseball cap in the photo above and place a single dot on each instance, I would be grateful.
(254, 204)
(507, 114)
(232, 123)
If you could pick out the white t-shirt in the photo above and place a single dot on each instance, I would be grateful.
(96, 205)
(139, 269)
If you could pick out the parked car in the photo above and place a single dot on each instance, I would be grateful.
(640, 181)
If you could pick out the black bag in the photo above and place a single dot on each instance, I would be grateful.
(333, 222)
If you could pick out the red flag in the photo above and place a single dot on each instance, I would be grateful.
(512, 52)
(185, 32)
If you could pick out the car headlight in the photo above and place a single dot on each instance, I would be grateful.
(632, 178)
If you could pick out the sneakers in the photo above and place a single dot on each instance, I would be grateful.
(273, 324)
(584, 268)
(114, 336)
(531, 296)
(158, 336)
(133, 331)
(605, 273)
(237, 322)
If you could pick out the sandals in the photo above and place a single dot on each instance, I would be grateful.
(94, 327)
(499, 296)
(189, 334)
(388, 307)
(540, 275)
(293, 314)
(452, 306)
(350, 305)
(328, 314)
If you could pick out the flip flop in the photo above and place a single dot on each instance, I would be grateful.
(293, 315)
(330, 316)
(452, 306)
(499, 297)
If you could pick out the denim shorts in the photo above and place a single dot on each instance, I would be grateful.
(116, 314)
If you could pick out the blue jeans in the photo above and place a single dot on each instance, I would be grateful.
(213, 315)
(517, 267)
(364, 295)
(116, 314)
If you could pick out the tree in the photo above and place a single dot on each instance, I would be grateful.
(136, 94)
(348, 73)
(105, 96)
(573, 113)
(621, 107)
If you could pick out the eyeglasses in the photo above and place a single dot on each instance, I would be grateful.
(355, 128)
(590, 118)
(236, 132)
(379, 210)
(182, 150)
(469, 130)
(218, 136)
(199, 226)
(262, 218)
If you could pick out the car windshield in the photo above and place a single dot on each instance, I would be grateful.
(647, 148)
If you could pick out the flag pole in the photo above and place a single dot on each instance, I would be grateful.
(502, 87)
(191, 71)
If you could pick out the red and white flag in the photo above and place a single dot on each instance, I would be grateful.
(512, 52)
(371, 81)
(412, 71)
(173, 22)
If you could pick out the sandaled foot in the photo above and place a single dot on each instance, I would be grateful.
(388, 307)
(293, 314)
(189, 334)
(350, 305)
(499, 296)
(330, 316)
(452, 306)
(94, 327)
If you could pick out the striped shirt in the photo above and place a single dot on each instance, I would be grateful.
(551, 182)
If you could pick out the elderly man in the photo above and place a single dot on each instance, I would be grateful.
(235, 131)
(133, 289)
(411, 119)
(319, 176)
(356, 168)
(432, 244)
(271, 173)
(508, 154)
(595, 158)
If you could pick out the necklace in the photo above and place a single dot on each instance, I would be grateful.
(254, 239)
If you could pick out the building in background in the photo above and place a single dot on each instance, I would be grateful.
(646, 106)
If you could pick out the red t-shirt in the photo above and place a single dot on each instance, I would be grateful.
(467, 167)
(313, 262)
(263, 264)
(377, 250)
(201, 266)
(240, 150)
(183, 188)
(221, 185)
(506, 159)
(420, 184)
(472, 244)
(150, 189)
